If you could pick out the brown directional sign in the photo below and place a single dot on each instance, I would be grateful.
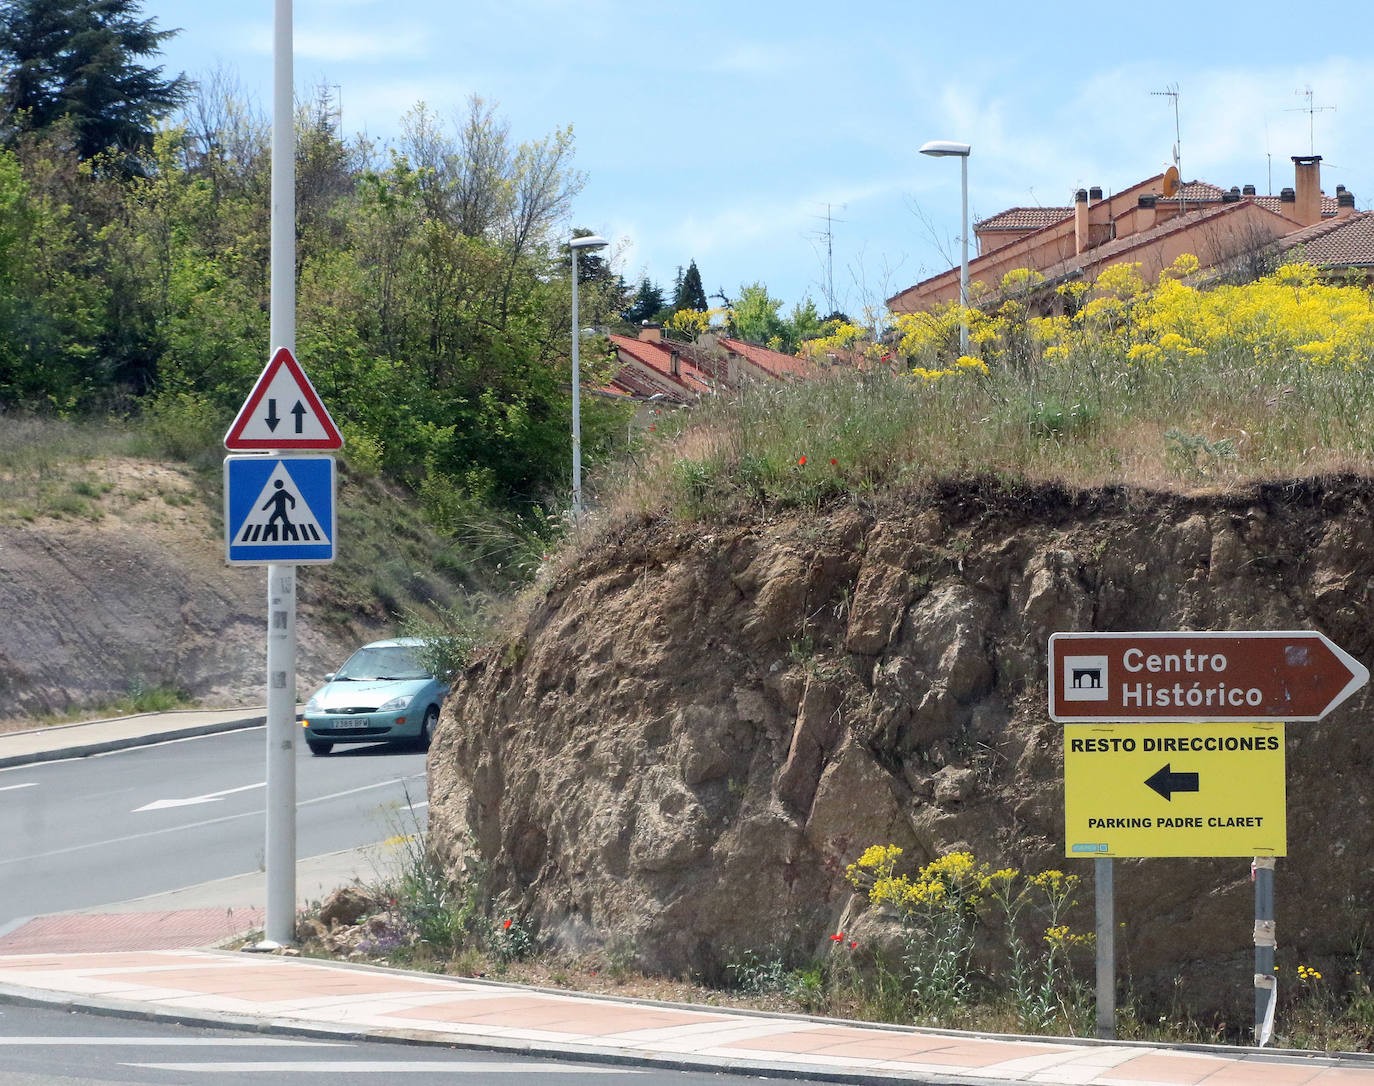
(1261, 675)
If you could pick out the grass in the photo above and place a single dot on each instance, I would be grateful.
(1208, 421)
(140, 699)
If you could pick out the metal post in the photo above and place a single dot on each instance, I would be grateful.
(1106, 948)
(1266, 982)
(280, 853)
(576, 402)
(963, 264)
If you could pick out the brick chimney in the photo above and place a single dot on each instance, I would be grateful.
(650, 332)
(1080, 221)
(1308, 187)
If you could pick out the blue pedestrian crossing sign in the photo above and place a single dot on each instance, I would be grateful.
(279, 509)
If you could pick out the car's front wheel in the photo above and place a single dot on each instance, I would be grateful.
(319, 747)
(427, 727)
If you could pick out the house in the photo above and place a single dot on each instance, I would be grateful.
(1151, 223)
(681, 373)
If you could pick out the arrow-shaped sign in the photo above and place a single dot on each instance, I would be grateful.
(190, 801)
(272, 417)
(1166, 782)
(1237, 675)
(300, 413)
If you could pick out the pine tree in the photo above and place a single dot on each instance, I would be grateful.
(690, 293)
(78, 62)
(648, 303)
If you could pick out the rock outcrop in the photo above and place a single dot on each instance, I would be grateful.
(699, 727)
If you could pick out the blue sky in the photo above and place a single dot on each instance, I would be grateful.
(722, 132)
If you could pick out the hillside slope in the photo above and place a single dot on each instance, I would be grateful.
(128, 589)
(698, 727)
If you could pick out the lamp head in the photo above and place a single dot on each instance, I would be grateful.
(945, 148)
(591, 241)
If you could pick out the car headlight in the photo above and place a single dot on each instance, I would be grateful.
(394, 704)
(313, 706)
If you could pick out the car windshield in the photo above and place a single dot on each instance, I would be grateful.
(391, 662)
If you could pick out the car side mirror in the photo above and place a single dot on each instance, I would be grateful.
(330, 677)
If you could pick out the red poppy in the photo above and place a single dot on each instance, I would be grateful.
(837, 938)
(833, 460)
(802, 461)
(853, 946)
(506, 924)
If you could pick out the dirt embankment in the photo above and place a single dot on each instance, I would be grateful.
(698, 728)
(131, 591)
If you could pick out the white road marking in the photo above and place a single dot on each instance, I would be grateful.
(199, 825)
(209, 797)
(166, 1042)
(378, 1067)
(12, 787)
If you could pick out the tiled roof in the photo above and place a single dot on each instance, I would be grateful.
(659, 358)
(775, 362)
(1347, 242)
(1274, 204)
(1024, 218)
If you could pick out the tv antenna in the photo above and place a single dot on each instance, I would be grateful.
(1171, 91)
(829, 236)
(1311, 109)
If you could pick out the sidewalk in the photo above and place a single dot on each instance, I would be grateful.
(89, 737)
(313, 998)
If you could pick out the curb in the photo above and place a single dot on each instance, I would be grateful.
(571, 1052)
(85, 750)
(593, 1054)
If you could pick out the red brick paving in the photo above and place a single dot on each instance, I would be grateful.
(184, 929)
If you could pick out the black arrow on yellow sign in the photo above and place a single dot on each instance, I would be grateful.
(1166, 782)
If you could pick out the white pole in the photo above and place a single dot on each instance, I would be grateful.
(280, 856)
(576, 403)
(963, 264)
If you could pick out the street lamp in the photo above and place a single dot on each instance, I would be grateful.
(944, 149)
(591, 241)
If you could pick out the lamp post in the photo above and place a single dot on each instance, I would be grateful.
(591, 241)
(944, 149)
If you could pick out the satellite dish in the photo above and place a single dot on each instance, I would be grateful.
(1170, 182)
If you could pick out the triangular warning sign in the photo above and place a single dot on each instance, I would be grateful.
(280, 515)
(283, 412)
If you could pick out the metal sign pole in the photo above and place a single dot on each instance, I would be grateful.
(280, 858)
(1104, 892)
(1266, 981)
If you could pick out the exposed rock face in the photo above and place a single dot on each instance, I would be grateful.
(697, 730)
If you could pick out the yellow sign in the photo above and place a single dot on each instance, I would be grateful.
(1174, 790)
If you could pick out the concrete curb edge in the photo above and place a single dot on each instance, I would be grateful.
(85, 750)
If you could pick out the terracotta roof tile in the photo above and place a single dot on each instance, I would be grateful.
(1024, 218)
(775, 362)
(1347, 242)
(659, 358)
(1274, 204)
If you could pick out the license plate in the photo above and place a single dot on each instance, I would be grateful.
(361, 722)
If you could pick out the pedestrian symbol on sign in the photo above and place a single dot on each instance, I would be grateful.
(279, 509)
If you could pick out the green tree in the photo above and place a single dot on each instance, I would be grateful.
(80, 63)
(754, 316)
(648, 303)
(690, 293)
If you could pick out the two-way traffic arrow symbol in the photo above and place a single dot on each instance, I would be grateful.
(1166, 782)
(272, 417)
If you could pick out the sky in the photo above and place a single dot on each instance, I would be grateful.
(778, 143)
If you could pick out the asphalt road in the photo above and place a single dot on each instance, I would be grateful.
(40, 1045)
(93, 831)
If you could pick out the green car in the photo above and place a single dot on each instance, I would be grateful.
(382, 694)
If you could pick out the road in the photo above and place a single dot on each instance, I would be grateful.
(40, 1046)
(91, 831)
